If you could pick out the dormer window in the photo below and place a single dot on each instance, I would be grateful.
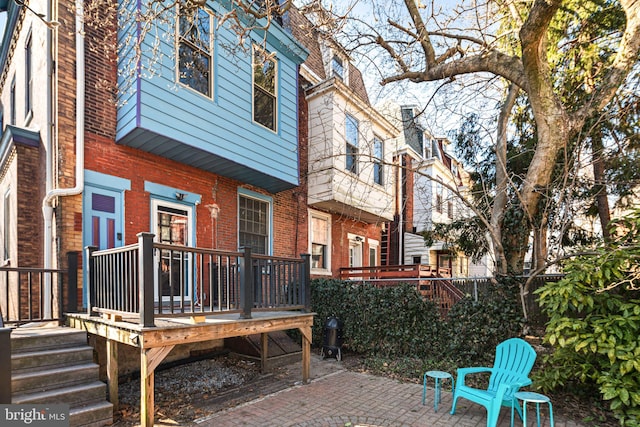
(337, 67)
(195, 50)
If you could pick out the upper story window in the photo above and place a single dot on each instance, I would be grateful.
(351, 134)
(439, 195)
(337, 67)
(28, 77)
(254, 223)
(12, 102)
(378, 155)
(195, 51)
(265, 88)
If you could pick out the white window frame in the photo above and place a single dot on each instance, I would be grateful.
(374, 245)
(258, 50)
(351, 147)
(325, 217)
(209, 53)
(378, 160)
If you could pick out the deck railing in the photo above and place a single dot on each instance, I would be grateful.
(150, 279)
(413, 271)
(37, 294)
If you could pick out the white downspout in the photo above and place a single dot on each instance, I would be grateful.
(52, 193)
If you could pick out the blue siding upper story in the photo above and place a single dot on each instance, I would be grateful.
(217, 134)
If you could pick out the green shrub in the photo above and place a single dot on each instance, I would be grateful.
(594, 323)
(396, 322)
(475, 328)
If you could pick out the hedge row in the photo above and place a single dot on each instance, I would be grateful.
(396, 322)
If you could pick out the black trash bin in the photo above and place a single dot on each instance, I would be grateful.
(331, 346)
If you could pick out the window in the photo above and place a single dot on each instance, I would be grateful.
(254, 224)
(12, 102)
(195, 50)
(6, 232)
(28, 77)
(337, 67)
(320, 237)
(351, 132)
(264, 88)
(378, 155)
(449, 205)
(439, 200)
(373, 252)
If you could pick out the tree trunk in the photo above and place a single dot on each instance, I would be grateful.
(500, 200)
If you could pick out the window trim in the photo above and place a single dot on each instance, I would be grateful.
(276, 89)
(242, 192)
(326, 217)
(210, 54)
(374, 245)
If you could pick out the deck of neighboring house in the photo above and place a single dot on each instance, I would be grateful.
(433, 284)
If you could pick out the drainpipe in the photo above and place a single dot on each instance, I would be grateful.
(47, 203)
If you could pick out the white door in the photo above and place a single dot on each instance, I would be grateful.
(172, 226)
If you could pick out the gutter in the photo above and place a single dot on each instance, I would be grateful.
(53, 193)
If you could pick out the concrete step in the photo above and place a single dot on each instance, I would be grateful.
(25, 340)
(49, 379)
(96, 415)
(47, 359)
(75, 396)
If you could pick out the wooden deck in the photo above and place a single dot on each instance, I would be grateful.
(156, 342)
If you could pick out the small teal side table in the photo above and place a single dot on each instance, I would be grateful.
(437, 376)
(537, 398)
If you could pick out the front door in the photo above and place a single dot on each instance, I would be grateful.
(102, 220)
(173, 227)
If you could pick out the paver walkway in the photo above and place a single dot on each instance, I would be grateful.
(342, 398)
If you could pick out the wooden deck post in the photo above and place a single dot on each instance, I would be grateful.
(150, 358)
(306, 353)
(112, 373)
(264, 351)
(146, 278)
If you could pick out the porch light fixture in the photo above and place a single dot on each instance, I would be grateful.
(50, 24)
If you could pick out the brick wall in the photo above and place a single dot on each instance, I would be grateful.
(29, 197)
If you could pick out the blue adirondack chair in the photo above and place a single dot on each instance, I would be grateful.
(513, 362)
